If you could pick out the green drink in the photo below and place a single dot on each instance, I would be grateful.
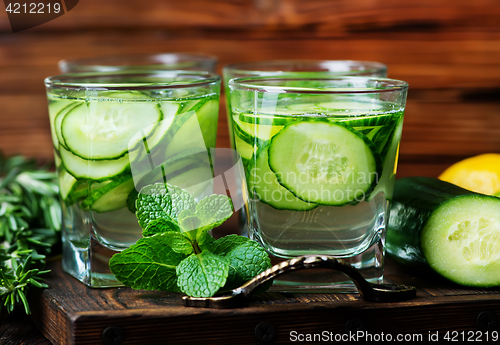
(320, 158)
(113, 135)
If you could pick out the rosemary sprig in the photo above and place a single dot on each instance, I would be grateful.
(30, 223)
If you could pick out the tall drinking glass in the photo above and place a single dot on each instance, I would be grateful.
(114, 133)
(320, 159)
(161, 61)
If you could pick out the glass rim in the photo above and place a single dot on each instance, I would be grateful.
(257, 84)
(105, 63)
(256, 67)
(70, 80)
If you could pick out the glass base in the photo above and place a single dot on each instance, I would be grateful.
(369, 263)
(88, 262)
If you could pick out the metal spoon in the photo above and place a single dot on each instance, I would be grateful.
(368, 291)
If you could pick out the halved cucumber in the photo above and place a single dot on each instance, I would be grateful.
(263, 186)
(100, 170)
(103, 130)
(324, 163)
(461, 240)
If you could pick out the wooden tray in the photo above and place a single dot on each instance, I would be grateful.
(71, 313)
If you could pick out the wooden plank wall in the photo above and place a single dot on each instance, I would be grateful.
(448, 51)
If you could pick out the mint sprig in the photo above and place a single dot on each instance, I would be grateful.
(177, 253)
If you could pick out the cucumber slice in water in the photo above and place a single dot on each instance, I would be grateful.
(263, 185)
(103, 130)
(54, 108)
(67, 183)
(186, 134)
(110, 197)
(59, 119)
(245, 149)
(100, 170)
(324, 163)
(461, 240)
(250, 132)
(208, 115)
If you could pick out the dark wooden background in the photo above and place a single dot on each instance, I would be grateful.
(448, 51)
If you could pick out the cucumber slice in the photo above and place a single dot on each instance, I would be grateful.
(186, 134)
(346, 107)
(324, 163)
(99, 170)
(103, 130)
(263, 186)
(54, 108)
(245, 149)
(59, 119)
(207, 112)
(387, 179)
(461, 240)
(251, 131)
(208, 115)
(110, 197)
(265, 120)
(144, 144)
(67, 183)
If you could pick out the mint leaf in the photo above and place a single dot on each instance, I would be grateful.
(160, 225)
(205, 241)
(189, 220)
(202, 275)
(225, 244)
(162, 200)
(213, 210)
(246, 258)
(150, 264)
(179, 243)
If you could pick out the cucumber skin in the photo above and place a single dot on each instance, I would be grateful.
(414, 200)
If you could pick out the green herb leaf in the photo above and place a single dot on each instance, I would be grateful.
(162, 200)
(189, 220)
(214, 210)
(202, 275)
(246, 258)
(150, 264)
(159, 226)
(30, 220)
(211, 211)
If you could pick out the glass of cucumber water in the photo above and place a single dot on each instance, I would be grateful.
(293, 68)
(320, 156)
(114, 133)
(159, 61)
